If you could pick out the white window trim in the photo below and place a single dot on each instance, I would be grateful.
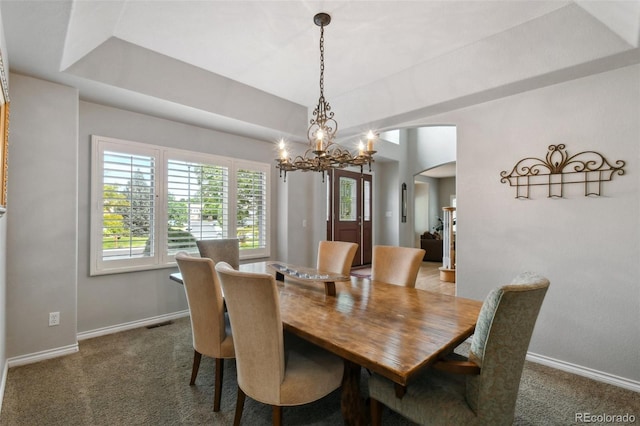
(162, 154)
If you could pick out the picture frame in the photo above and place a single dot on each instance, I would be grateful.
(4, 134)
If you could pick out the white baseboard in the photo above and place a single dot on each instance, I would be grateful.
(70, 349)
(41, 356)
(3, 383)
(585, 372)
(131, 325)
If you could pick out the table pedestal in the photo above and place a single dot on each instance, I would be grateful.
(353, 407)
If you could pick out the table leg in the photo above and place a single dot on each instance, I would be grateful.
(353, 407)
(400, 390)
(330, 288)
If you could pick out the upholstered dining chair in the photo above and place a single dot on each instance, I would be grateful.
(221, 250)
(271, 368)
(336, 256)
(396, 265)
(209, 324)
(481, 389)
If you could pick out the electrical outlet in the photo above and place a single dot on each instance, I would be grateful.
(54, 318)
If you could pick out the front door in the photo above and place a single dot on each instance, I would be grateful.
(350, 212)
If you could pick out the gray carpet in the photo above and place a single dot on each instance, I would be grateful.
(141, 377)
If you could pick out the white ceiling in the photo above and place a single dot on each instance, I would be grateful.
(387, 62)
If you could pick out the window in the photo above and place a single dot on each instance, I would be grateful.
(150, 202)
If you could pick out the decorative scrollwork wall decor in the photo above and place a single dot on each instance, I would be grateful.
(558, 169)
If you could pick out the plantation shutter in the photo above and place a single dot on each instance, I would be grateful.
(128, 205)
(251, 208)
(197, 204)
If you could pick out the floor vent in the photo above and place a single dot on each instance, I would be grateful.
(160, 324)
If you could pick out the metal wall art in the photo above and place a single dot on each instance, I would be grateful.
(558, 168)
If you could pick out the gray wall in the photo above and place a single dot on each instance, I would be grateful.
(447, 189)
(386, 203)
(41, 234)
(589, 247)
(3, 249)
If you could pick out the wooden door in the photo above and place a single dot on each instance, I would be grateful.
(350, 212)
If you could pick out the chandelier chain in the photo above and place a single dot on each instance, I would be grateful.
(322, 62)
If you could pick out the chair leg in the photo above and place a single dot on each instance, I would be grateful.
(239, 407)
(217, 390)
(277, 415)
(196, 365)
(376, 412)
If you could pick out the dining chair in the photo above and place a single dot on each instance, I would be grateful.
(482, 388)
(396, 265)
(271, 368)
(336, 256)
(210, 325)
(221, 250)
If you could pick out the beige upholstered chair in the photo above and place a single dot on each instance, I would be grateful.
(221, 250)
(272, 369)
(336, 256)
(396, 265)
(209, 324)
(483, 389)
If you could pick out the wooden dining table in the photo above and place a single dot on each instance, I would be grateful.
(390, 330)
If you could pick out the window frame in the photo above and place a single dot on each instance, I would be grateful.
(162, 155)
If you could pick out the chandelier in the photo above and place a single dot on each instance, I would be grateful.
(323, 154)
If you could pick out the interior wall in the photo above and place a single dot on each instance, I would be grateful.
(589, 247)
(386, 202)
(421, 209)
(41, 239)
(447, 190)
(3, 258)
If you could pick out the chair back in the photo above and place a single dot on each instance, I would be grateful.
(221, 250)
(336, 256)
(254, 312)
(499, 346)
(206, 306)
(396, 265)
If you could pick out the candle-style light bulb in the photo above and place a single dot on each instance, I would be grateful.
(283, 151)
(370, 137)
(319, 137)
(360, 148)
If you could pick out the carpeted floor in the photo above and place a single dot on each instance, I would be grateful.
(141, 377)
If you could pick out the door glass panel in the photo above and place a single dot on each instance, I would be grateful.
(367, 200)
(348, 199)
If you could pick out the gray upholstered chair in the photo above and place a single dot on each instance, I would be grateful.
(272, 369)
(209, 324)
(396, 265)
(221, 250)
(336, 256)
(482, 389)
